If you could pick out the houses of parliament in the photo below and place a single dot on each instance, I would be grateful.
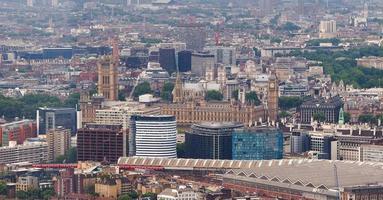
(191, 108)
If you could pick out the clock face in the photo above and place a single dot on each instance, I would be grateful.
(272, 85)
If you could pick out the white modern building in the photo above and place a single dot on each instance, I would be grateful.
(153, 136)
(30, 151)
(120, 114)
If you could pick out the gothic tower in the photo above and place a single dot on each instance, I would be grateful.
(177, 91)
(272, 99)
(108, 75)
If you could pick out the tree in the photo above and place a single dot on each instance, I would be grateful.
(133, 194)
(214, 95)
(166, 93)
(121, 95)
(367, 118)
(153, 196)
(142, 88)
(347, 117)
(319, 116)
(72, 100)
(284, 114)
(289, 26)
(59, 159)
(71, 155)
(3, 188)
(125, 197)
(252, 98)
(286, 103)
(22, 194)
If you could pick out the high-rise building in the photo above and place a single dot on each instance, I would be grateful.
(167, 59)
(17, 131)
(202, 61)
(194, 35)
(29, 151)
(184, 61)
(210, 140)
(58, 142)
(96, 142)
(153, 136)
(272, 99)
(51, 118)
(257, 143)
(327, 29)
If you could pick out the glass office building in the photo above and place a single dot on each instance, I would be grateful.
(210, 140)
(51, 118)
(257, 143)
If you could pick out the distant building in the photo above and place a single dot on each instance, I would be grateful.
(297, 90)
(25, 183)
(330, 109)
(184, 61)
(194, 35)
(223, 55)
(200, 62)
(33, 152)
(371, 62)
(167, 59)
(51, 118)
(17, 131)
(257, 143)
(371, 153)
(210, 140)
(107, 78)
(96, 142)
(153, 136)
(327, 29)
(68, 183)
(58, 142)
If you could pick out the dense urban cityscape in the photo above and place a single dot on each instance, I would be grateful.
(191, 99)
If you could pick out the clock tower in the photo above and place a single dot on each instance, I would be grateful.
(272, 99)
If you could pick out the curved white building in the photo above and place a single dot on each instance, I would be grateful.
(153, 136)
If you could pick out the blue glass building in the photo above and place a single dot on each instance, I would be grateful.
(257, 143)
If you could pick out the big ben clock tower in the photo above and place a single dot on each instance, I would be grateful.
(272, 99)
